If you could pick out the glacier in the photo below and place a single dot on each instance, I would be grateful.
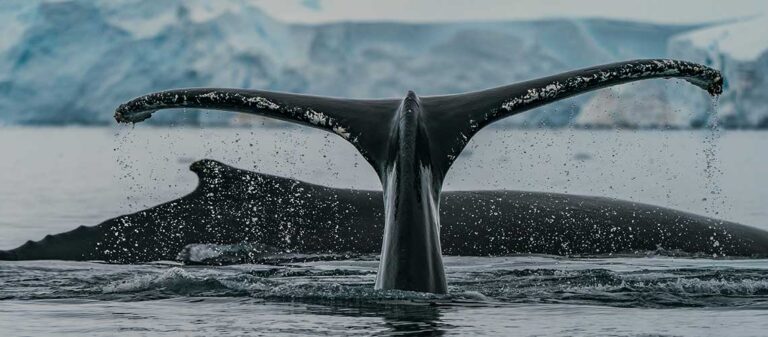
(73, 62)
(740, 51)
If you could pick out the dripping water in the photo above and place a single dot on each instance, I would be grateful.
(570, 165)
(712, 169)
(125, 176)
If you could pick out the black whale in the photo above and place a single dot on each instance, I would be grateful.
(233, 206)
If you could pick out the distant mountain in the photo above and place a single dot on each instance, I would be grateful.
(64, 62)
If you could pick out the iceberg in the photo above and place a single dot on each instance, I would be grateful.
(74, 61)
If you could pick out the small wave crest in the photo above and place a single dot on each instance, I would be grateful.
(590, 286)
(352, 281)
(177, 281)
(673, 288)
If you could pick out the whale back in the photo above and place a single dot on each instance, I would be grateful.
(256, 208)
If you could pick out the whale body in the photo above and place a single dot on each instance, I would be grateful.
(233, 206)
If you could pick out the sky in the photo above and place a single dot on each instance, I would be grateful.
(662, 11)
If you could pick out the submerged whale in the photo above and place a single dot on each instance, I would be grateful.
(280, 215)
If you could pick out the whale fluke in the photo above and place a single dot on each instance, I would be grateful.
(349, 118)
(412, 142)
(469, 112)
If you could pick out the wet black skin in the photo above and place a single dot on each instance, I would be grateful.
(232, 206)
(411, 251)
(411, 143)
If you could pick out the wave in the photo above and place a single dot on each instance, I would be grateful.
(351, 283)
(178, 281)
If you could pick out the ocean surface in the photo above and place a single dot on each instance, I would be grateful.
(55, 179)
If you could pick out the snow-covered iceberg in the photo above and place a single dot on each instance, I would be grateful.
(740, 50)
(75, 61)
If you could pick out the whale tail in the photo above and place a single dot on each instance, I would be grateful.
(450, 120)
(412, 142)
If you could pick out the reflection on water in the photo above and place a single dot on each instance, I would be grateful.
(215, 316)
(396, 318)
